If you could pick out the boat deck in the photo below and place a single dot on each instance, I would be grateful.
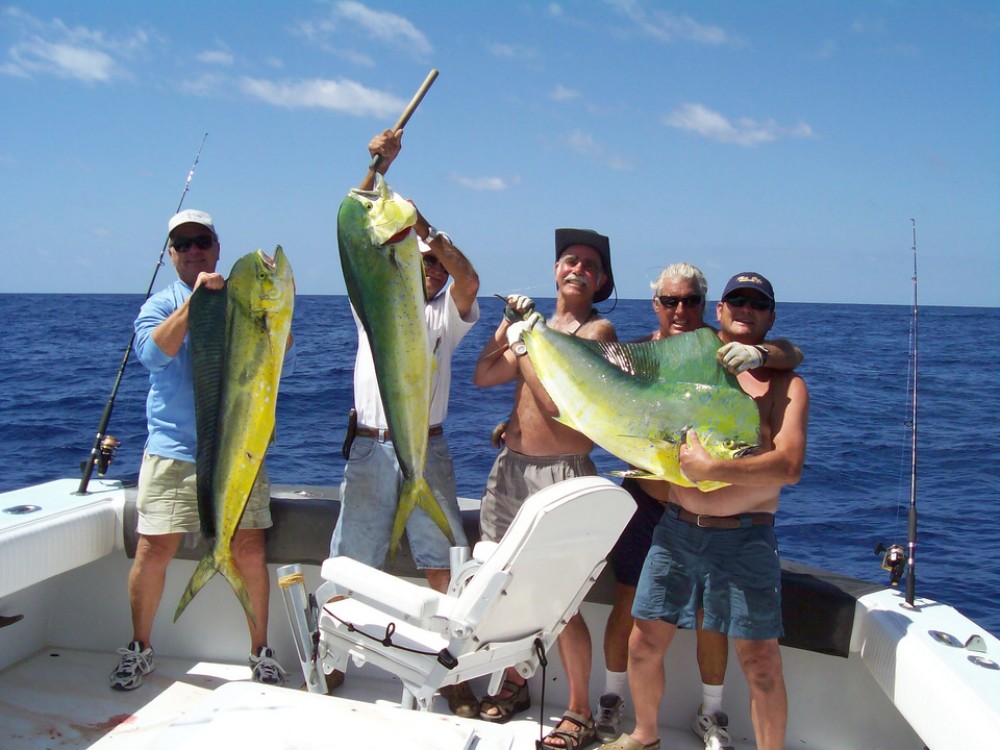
(60, 699)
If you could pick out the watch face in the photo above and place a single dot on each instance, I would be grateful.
(520, 349)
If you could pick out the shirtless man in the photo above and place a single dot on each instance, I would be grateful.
(539, 451)
(707, 544)
(679, 295)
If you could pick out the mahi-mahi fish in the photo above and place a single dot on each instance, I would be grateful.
(237, 338)
(638, 401)
(385, 283)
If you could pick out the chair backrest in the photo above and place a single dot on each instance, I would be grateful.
(556, 540)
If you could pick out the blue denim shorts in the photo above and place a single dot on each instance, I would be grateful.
(733, 574)
(369, 496)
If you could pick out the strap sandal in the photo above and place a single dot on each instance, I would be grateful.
(515, 703)
(625, 742)
(572, 739)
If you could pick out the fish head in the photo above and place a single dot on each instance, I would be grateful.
(262, 283)
(381, 213)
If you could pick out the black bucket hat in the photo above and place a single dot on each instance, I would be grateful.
(567, 236)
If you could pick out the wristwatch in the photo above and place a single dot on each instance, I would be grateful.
(433, 234)
(519, 349)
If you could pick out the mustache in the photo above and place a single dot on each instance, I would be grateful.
(577, 278)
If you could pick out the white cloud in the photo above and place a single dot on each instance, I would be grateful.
(701, 120)
(342, 96)
(216, 57)
(668, 27)
(54, 49)
(485, 183)
(585, 145)
(563, 94)
(384, 26)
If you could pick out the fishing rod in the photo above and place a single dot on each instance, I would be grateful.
(105, 445)
(911, 542)
(895, 559)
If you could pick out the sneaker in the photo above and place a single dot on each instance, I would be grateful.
(712, 730)
(136, 662)
(608, 723)
(266, 669)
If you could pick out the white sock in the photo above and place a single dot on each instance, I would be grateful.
(711, 699)
(615, 682)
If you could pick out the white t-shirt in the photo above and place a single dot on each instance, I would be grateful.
(445, 329)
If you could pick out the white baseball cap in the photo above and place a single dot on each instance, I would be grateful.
(191, 216)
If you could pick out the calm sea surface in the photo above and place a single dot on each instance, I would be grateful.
(59, 356)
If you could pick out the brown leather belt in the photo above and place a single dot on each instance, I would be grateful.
(385, 436)
(720, 522)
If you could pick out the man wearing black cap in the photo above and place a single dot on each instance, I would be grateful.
(717, 550)
(539, 451)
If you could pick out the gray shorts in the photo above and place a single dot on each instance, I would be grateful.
(515, 477)
(168, 498)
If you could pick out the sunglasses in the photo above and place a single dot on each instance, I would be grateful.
(672, 302)
(183, 244)
(430, 261)
(756, 303)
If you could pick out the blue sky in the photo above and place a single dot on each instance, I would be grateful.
(794, 138)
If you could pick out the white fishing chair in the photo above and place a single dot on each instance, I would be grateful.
(511, 596)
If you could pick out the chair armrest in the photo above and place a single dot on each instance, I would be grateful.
(411, 602)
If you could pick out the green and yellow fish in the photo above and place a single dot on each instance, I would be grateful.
(385, 282)
(237, 339)
(638, 401)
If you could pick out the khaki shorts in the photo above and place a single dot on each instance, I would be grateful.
(168, 498)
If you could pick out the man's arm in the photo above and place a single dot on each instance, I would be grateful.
(169, 335)
(778, 354)
(465, 284)
(775, 468)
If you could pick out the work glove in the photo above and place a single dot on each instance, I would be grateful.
(738, 358)
(518, 306)
(516, 330)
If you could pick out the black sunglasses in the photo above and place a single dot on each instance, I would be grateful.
(183, 244)
(690, 301)
(756, 303)
(431, 261)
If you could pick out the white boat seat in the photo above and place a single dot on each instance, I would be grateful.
(523, 592)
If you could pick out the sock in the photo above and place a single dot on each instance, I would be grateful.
(711, 699)
(615, 682)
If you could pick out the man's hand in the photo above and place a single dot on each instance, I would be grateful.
(695, 462)
(386, 145)
(516, 330)
(210, 280)
(518, 306)
(739, 358)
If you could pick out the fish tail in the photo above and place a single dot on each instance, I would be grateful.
(208, 566)
(407, 501)
(416, 493)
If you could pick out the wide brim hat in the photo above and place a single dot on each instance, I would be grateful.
(568, 236)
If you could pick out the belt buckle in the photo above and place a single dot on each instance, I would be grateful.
(698, 522)
(382, 434)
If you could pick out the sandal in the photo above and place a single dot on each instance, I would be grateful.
(573, 739)
(625, 742)
(515, 703)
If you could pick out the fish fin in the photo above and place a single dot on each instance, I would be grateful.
(710, 486)
(416, 493)
(208, 566)
(634, 474)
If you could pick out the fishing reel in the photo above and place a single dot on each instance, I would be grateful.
(893, 560)
(105, 454)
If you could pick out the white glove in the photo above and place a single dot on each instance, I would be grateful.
(518, 306)
(739, 358)
(516, 330)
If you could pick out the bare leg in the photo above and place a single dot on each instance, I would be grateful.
(575, 653)
(761, 662)
(146, 580)
(250, 554)
(438, 578)
(618, 629)
(713, 653)
(646, 646)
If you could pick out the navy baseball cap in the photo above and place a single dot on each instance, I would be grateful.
(749, 280)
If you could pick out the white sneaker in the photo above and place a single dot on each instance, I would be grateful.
(712, 730)
(136, 662)
(608, 723)
(266, 669)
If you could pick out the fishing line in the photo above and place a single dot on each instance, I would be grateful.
(104, 445)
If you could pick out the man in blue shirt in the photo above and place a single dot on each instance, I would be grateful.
(167, 496)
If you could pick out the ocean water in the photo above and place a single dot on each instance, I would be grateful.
(60, 355)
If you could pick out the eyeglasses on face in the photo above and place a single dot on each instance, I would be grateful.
(432, 261)
(691, 300)
(183, 244)
(756, 303)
